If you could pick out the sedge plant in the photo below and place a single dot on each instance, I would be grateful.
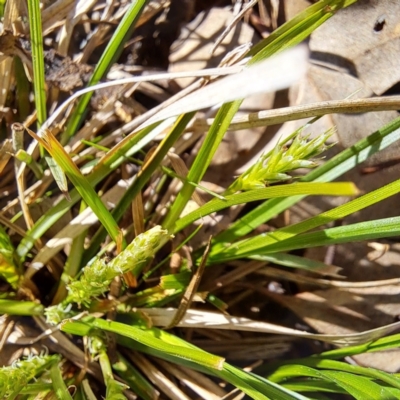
(112, 291)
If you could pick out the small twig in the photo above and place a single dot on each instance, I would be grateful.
(191, 289)
(284, 114)
(18, 144)
(232, 24)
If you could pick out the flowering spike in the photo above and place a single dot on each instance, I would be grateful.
(273, 167)
(97, 277)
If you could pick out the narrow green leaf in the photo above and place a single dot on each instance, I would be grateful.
(18, 307)
(293, 261)
(82, 185)
(297, 29)
(332, 169)
(386, 343)
(332, 189)
(253, 386)
(202, 160)
(35, 23)
(315, 385)
(154, 338)
(114, 389)
(136, 381)
(58, 383)
(380, 228)
(359, 387)
(259, 244)
(373, 373)
(8, 267)
(263, 386)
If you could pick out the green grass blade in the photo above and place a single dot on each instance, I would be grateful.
(380, 228)
(202, 160)
(332, 169)
(39, 90)
(315, 385)
(143, 177)
(35, 23)
(293, 261)
(59, 386)
(389, 379)
(258, 244)
(9, 270)
(252, 385)
(112, 160)
(136, 381)
(359, 387)
(333, 189)
(153, 338)
(297, 29)
(114, 388)
(17, 307)
(259, 385)
(109, 56)
(386, 343)
(169, 347)
(82, 185)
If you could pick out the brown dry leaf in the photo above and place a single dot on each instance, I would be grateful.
(369, 48)
(65, 74)
(356, 60)
(5, 153)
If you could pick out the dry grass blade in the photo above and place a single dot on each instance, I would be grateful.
(210, 320)
(274, 117)
(203, 386)
(55, 13)
(290, 276)
(136, 79)
(81, 7)
(5, 153)
(152, 9)
(233, 23)
(238, 273)
(190, 289)
(18, 134)
(272, 74)
(180, 168)
(157, 377)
